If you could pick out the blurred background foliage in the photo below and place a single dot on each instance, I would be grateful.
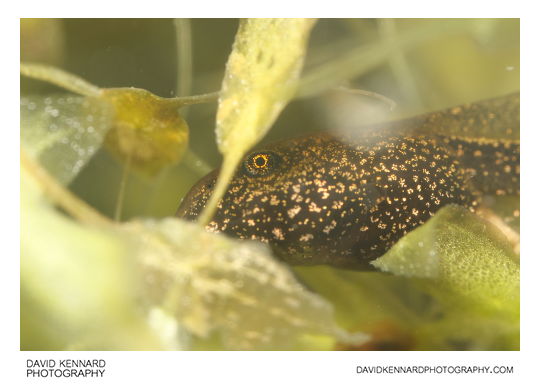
(455, 61)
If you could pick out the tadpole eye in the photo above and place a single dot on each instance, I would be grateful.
(261, 163)
(260, 160)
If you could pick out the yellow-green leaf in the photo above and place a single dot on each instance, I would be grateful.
(148, 132)
(64, 131)
(461, 255)
(236, 290)
(261, 77)
(78, 283)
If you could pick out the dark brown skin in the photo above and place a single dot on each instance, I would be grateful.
(318, 199)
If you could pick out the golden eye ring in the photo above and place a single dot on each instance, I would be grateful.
(261, 163)
(260, 160)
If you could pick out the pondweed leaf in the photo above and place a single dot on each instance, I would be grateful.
(410, 313)
(215, 285)
(64, 131)
(463, 257)
(78, 283)
(261, 77)
(147, 131)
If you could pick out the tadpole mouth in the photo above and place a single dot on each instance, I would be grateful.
(195, 200)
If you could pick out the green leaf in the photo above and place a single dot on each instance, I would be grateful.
(462, 257)
(78, 283)
(261, 77)
(148, 132)
(63, 132)
(233, 290)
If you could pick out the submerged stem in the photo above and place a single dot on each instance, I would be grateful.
(398, 61)
(122, 190)
(184, 57)
(388, 101)
(60, 195)
(60, 78)
(197, 99)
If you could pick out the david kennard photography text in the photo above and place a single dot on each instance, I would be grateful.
(65, 368)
